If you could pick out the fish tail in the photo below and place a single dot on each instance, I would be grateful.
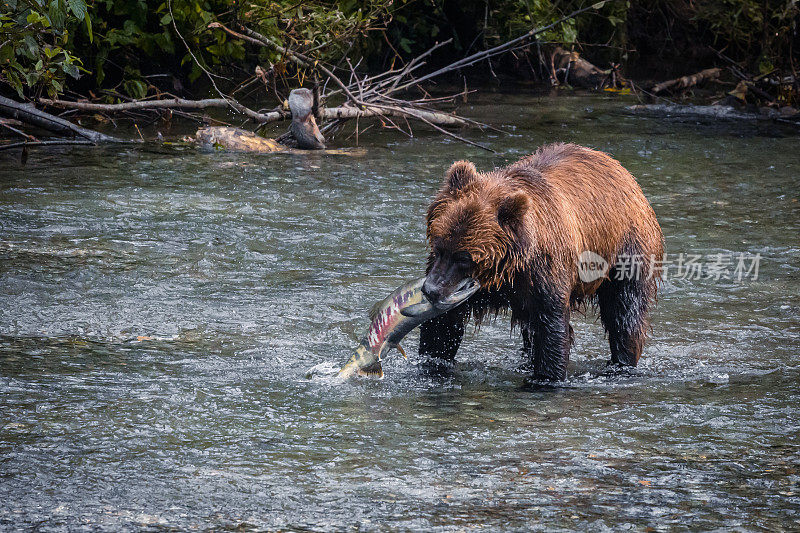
(350, 368)
(373, 370)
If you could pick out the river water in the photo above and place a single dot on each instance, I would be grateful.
(160, 307)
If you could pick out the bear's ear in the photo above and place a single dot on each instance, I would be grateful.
(512, 209)
(460, 174)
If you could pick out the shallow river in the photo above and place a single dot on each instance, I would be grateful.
(159, 309)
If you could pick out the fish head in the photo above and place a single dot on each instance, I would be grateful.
(449, 281)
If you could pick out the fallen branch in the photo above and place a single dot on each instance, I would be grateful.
(7, 125)
(330, 113)
(717, 112)
(685, 82)
(374, 110)
(171, 103)
(28, 114)
(45, 143)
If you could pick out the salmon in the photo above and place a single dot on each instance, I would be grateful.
(393, 318)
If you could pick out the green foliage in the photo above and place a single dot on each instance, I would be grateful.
(325, 30)
(141, 35)
(35, 55)
(761, 30)
(483, 24)
(122, 44)
(516, 18)
(123, 41)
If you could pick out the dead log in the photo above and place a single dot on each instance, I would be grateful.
(716, 112)
(168, 103)
(343, 112)
(57, 142)
(236, 139)
(685, 82)
(373, 110)
(28, 114)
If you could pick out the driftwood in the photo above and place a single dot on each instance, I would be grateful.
(685, 82)
(717, 112)
(28, 114)
(168, 103)
(236, 139)
(329, 113)
(57, 142)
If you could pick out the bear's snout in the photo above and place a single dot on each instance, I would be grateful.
(432, 290)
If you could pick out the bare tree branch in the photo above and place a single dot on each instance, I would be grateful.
(28, 114)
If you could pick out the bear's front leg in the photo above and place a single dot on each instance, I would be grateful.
(527, 349)
(551, 338)
(440, 337)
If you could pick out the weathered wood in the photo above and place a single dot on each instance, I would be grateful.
(28, 114)
(236, 139)
(57, 142)
(343, 112)
(685, 82)
(373, 110)
(717, 112)
(168, 103)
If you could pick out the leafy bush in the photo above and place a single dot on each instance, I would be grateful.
(130, 45)
(35, 51)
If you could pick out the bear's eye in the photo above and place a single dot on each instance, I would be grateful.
(462, 257)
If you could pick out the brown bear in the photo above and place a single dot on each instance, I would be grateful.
(520, 230)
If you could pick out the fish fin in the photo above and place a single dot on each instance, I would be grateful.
(416, 309)
(374, 370)
(402, 351)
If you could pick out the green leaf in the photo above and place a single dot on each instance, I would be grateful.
(33, 46)
(78, 8)
(15, 82)
(31, 78)
(58, 15)
(6, 52)
(135, 88)
(35, 18)
(71, 70)
(89, 29)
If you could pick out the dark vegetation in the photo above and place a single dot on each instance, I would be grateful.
(115, 51)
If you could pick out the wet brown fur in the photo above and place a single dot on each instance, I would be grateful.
(526, 224)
